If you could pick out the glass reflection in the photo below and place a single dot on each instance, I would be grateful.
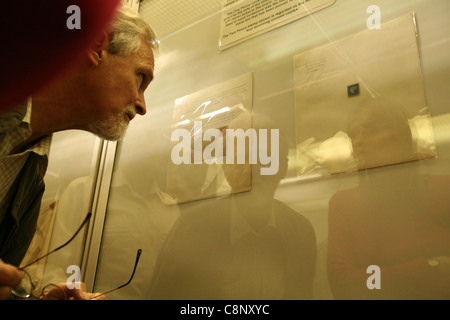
(396, 218)
(242, 246)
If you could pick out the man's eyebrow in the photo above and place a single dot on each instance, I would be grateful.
(148, 72)
(151, 73)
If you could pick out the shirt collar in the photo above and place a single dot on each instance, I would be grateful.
(27, 118)
(42, 145)
(239, 225)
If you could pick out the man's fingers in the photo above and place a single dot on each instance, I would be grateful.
(5, 292)
(9, 275)
(76, 291)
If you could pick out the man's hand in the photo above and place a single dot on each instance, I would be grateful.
(62, 292)
(10, 276)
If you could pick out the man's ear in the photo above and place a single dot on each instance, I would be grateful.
(95, 53)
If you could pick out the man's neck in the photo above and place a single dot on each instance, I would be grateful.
(49, 114)
(59, 107)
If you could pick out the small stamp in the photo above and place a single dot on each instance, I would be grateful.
(353, 90)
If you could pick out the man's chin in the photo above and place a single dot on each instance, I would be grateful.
(110, 131)
(113, 136)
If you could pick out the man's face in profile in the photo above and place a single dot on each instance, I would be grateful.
(120, 95)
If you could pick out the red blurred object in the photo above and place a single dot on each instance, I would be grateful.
(37, 45)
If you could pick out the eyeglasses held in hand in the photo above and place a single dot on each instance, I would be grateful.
(27, 288)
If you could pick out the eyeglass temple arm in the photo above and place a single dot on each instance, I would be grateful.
(88, 216)
(138, 255)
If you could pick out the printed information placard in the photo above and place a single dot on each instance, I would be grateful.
(244, 19)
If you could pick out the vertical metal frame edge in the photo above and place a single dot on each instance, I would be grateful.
(99, 207)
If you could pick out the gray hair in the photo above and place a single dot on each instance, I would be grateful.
(127, 31)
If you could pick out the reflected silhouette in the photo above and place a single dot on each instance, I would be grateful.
(397, 218)
(380, 135)
(137, 217)
(246, 245)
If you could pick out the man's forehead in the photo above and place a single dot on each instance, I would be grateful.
(146, 59)
(145, 52)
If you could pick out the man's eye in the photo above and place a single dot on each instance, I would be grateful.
(141, 79)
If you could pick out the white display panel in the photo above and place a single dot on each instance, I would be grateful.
(199, 129)
(366, 119)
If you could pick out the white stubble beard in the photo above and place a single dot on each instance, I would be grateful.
(114, 127)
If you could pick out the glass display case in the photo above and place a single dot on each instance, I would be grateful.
(350, 101)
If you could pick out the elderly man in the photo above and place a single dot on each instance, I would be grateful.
(101, 95)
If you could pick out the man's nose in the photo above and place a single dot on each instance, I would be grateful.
(140, 106)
